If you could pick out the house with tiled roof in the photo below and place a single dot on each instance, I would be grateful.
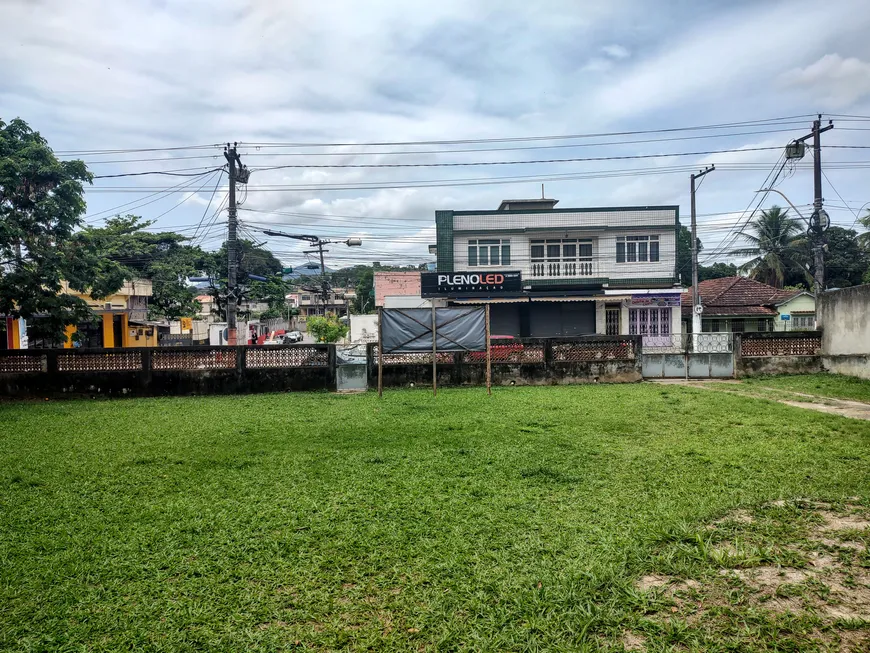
(739, 304)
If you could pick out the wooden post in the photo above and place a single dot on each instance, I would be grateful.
(488, 357)
(434, 356)
(380, 352)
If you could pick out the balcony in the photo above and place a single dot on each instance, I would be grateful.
(562, 269)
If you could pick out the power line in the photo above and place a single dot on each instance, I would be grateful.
(208, 206)
(746, 123)
(460, 151)
(527, 162)
(177, 188)
(171, 173)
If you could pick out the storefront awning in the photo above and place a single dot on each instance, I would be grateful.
(491, 300)
(569, 299)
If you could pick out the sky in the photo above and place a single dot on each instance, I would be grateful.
(311, 84)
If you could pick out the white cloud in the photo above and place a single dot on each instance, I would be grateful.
(831, 81)
(616, 51)
(730, 53)
(151, 73)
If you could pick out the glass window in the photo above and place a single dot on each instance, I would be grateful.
(569, 251)
(553, 251)
(586, 250)
(537, 249)
(489, 252)
(631, 249)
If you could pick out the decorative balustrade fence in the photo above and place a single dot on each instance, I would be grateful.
(806, 343)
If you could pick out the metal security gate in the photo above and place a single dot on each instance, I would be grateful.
(351, 369)
(688, 356)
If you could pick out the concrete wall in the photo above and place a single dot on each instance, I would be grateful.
(850, 365)
(770, 365)
(395, 283)
(843, 318)
(617, 371)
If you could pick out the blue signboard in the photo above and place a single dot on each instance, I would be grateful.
(785, 317)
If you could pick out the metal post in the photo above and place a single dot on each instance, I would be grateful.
(488, 356)
(696, 296)
(380, 352)
(434, 356)
(816, 226)
(817, 221)
(324, 292)
(232, 254)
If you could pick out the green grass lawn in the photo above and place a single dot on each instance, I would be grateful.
(517, 522)
(822, 385)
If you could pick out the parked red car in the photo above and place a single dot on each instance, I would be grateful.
(501, 348)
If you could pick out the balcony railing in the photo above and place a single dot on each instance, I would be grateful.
(562, 269)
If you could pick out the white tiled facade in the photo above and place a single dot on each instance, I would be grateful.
(601, 228)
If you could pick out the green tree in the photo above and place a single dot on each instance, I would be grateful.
(845, 260)
(41, 207)
(326, 328)
(716, 271)
(273, 292)
(163, 257)
(253, 260)
(684, 255)
(365, 292)
(776, 247)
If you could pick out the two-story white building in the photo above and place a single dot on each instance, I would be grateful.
(606, 271)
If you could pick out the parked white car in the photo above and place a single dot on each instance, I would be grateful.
(293, 337)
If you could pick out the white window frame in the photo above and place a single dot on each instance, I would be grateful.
(501, 246)
(638, 249)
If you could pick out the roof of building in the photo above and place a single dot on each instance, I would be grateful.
(737, 296)
(538, 201)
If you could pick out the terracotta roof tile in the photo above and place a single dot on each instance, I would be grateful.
(736, 296)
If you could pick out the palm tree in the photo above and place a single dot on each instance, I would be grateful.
(864, 239)
(777, 247)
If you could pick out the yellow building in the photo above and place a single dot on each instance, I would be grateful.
(123, 318)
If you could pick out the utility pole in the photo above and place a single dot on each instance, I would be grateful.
(697, 309)
(232, 239)
(318, 243)
(819, 219)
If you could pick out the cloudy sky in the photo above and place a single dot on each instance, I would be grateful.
(289, 80)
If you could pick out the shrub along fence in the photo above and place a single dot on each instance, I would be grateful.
(204, 370)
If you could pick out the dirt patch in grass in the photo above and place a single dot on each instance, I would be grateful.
(837, 522)
(633, 642)
(798, 568)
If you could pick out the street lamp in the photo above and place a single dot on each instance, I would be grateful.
(318, 243)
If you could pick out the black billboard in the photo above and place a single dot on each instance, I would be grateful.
(449, 284)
